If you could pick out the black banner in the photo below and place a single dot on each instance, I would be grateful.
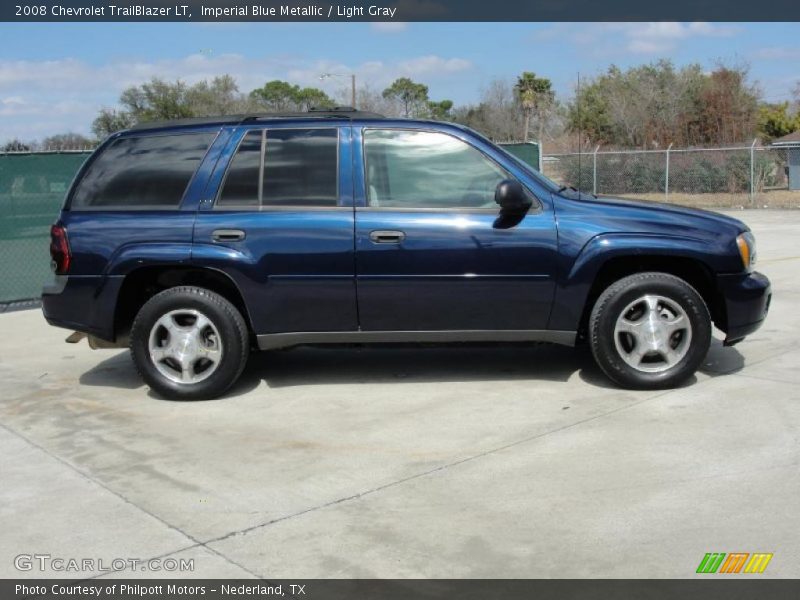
(399, 10)
(711, 587)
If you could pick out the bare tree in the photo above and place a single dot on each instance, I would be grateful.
(497, 113)
(66, 141)
(372, 100)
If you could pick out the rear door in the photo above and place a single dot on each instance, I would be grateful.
(279, 220)
(432, 251)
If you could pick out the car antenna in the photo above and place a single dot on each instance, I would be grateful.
(580, 128)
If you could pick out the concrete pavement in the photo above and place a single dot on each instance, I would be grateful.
(409, 462)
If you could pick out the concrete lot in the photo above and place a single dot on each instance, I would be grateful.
(403, 462)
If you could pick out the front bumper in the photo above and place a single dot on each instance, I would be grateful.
(747, 297)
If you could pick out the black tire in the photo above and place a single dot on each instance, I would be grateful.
(225, 318)
(614, 300)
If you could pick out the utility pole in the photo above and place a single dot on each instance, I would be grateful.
(352, 77)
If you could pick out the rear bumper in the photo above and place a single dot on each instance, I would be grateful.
(747, 297)
(84, 304)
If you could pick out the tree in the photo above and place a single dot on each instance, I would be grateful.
(308, 98)
(654, 105)
(110, 121)
(371, 100)
(219, 97)
(278, 96)
(535, 95)
(67, 141)
(774, 120)
(157, 100)
(497, 114)
(730, 106)
(16, 145)
(440, 110)
(411, 95)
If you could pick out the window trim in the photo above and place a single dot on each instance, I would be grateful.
(535, 208)
(276, 207)
(87, 167)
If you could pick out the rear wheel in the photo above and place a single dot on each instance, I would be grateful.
(189, 343)
(650, 330)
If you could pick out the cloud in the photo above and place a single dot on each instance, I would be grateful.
(777, 53)
(637, 38)
(653, 38)
(12, 101)
(52, 96)
(426, 65)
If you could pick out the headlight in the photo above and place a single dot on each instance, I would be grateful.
(747, 249)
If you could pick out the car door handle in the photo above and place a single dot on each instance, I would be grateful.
(228, 235)
(386, 237)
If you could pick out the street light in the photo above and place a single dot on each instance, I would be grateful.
(352, 83)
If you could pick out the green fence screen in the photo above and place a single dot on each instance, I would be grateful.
(530, 152)
(32, 189)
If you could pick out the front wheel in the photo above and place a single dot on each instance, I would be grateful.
(189, 343)
(650, 330)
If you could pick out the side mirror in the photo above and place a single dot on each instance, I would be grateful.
(511, 197)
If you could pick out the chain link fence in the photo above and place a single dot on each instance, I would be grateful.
(748, 176)
(32, 189)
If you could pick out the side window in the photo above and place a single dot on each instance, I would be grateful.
(284, 167)
(423, 169)
(144, 171)
(241, 180)
(301, 167)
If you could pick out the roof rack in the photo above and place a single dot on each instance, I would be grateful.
(337, 112)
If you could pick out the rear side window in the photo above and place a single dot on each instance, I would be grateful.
(140, 172)
(241, 182)
(283, 167)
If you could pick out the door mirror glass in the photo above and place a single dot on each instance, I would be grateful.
(511, 197)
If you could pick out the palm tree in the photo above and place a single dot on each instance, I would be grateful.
(535, 95)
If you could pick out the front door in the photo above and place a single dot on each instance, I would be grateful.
(432, 252)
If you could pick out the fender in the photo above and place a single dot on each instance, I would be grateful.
(187, 274)
(147, 254)
(572, 289)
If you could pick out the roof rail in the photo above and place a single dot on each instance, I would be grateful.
(337, 112)
(188, 122)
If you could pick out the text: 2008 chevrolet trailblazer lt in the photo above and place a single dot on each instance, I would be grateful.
(195, 241)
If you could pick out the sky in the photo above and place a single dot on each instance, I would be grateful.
(54, 77)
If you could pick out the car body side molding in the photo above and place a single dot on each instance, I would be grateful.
(272, 341)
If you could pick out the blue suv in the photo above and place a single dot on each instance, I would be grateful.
(193, 242)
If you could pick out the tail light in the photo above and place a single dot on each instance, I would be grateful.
(59, 249)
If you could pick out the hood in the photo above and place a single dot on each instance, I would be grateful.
(674, 210)
(621, 214)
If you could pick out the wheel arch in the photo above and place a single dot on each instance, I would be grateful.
(609, 257)
(692, 271)
(143, 283)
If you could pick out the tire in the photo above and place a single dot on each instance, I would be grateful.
(189, 343)
(649, 331)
